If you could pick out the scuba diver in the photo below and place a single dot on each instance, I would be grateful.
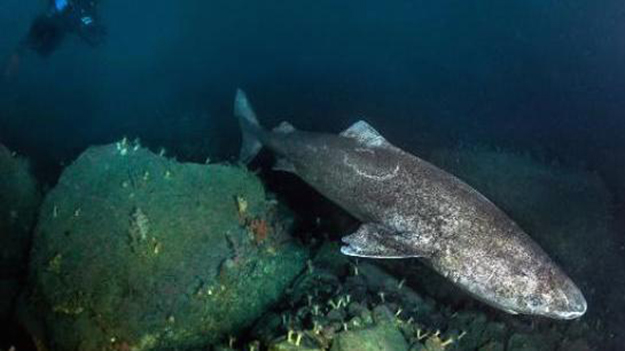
(48, 30)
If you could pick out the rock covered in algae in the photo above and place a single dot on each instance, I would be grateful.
(19, 200)
(382, 337)
(134, 251)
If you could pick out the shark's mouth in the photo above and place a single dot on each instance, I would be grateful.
(349, 249)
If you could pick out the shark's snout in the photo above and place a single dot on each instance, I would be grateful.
(569, 303)
(576, 306)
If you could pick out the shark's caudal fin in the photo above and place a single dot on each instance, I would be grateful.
(250, 128)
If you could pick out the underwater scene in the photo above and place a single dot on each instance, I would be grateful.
(400, 175)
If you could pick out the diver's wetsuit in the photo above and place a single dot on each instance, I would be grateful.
(63, 17)
(49, 29)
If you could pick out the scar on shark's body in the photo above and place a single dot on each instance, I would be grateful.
(363, 173)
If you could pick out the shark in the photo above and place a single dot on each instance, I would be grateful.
(408, 207)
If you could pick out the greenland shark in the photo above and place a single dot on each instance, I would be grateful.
(411, 208)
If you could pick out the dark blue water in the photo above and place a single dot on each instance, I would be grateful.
(545, 78)
(533, 72)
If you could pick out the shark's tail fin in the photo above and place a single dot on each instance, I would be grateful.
(250, 128)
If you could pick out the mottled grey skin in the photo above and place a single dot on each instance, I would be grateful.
(410, 208)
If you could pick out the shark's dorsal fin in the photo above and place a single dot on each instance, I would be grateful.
(284, 128)
(364, 133)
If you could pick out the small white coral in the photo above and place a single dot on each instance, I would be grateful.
(139, 225)
(122, 146)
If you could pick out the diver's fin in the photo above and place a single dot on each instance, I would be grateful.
(376, 241)
(284, 128)
(250, 128)
(284, 165)
(365, 134)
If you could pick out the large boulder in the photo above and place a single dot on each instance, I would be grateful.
(19, 201)
(134, 251)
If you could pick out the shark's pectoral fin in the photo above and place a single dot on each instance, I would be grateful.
(365, 134)
(377, 241)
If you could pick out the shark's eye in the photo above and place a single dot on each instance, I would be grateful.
(535, 301)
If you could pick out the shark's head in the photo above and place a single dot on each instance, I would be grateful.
(564, 302)
(539, 289)
(555, 296)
